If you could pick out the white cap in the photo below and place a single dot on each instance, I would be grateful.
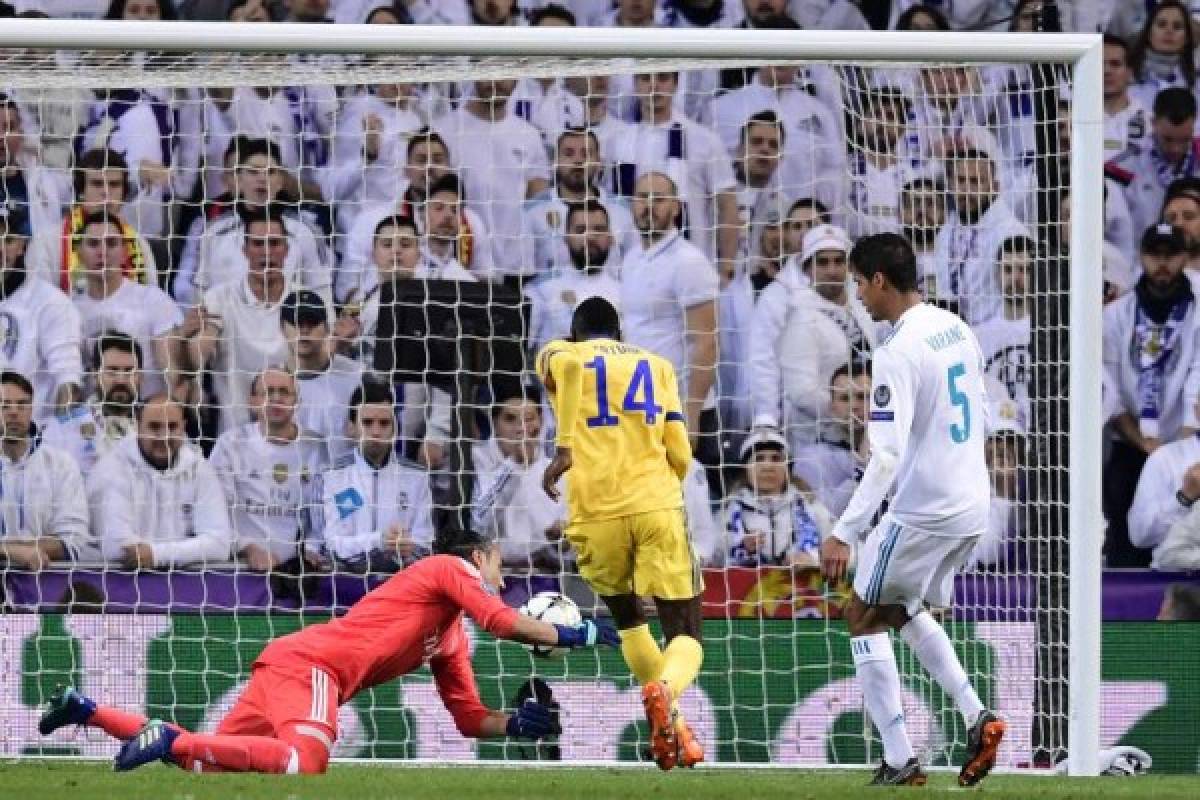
(763, 436)
(824, 237)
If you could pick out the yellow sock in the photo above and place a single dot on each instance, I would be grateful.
(681, 663)
(641, 653)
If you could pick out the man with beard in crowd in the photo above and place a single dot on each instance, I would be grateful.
(91, 430)
(588, 240)
(577, 172)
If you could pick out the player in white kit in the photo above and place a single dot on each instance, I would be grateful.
(926, 427)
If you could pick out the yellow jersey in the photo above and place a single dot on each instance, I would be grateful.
(618, 409)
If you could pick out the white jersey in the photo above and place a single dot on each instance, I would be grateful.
(265, 485)
(927, 426)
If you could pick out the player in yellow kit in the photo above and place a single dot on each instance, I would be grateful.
(623, 447)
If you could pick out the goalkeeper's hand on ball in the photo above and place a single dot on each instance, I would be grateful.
(532, 720)
(588, 633)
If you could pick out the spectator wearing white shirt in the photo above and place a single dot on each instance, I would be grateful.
(967, 244)
(1166, 493)
(735, 313)
(1152, 351)
(589, 242)
(922, 215)
(90, 431)
(265, 468)
(29, 187)
(235, 330)
(832, 465)
(879, 162)
(693, 158)
(141, 125)
(813, 160)
(448, 244)
(370, 149)
(1163, 54)
(510, 504)
(372, 511)
(109, 301)
(43, 508)
(156, 502)
(669, 301)
(325, 380)
(585, 102)
(503, 163)
(759, 195)
(100, 182)
(1126, 117)
(258, 188)
(428, 163)
(1005, 339)
(1145, 174)
(768, 521)
(577, 173)
(39, 328)
(801, 336)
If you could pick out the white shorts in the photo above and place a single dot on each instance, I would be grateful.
(906, 567)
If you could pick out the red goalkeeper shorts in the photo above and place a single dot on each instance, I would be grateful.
(279, 700)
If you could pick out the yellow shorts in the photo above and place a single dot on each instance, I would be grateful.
(647, 554)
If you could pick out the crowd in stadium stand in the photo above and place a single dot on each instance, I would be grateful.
(197, 286)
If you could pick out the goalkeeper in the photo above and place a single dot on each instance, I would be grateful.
(621, 435)
(286, 718)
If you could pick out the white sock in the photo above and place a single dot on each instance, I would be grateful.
(933, 649)
(875, 664)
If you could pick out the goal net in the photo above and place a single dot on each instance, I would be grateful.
(278, 231)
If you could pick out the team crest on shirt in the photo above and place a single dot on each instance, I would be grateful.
(10, 334)
(883, 396)
(305, 474)
(88, 430)
(347, 501)
(552, 219)
(568, 297)
(280, 473)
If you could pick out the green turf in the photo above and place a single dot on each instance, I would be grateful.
(83, 781)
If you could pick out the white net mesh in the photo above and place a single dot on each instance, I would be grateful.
(444, 227)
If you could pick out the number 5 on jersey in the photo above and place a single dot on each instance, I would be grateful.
(639, 395)
(959, 433)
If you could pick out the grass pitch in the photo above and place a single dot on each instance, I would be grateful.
(83, 781)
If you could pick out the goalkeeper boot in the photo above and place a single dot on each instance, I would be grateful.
(689, 751)
(910, 774)
(152, 743)
(982, 743)
(67, 707)
(656, 700)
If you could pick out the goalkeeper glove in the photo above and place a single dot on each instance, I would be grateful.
(532, 720)
(587, 634)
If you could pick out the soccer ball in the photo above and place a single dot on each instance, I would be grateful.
(556, 609)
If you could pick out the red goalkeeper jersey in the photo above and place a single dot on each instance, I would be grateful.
(414, 618)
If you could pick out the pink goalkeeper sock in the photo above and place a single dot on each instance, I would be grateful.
(117, 723)
(231, 753)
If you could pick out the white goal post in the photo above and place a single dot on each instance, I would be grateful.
(430, 53)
